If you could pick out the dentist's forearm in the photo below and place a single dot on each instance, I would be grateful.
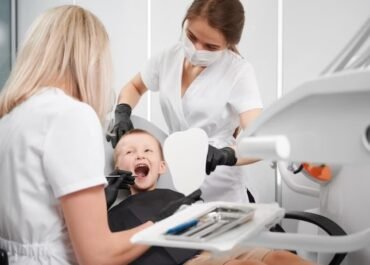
(246, 161)
(129, 95)
(132, 91)
(241, 161)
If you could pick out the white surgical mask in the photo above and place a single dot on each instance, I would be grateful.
(199, 57)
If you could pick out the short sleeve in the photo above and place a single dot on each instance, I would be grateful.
(150, 73)
(73, 151)
(245, 94)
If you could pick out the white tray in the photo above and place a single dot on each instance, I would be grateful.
(266, 215)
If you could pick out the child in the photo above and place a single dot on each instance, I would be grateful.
(141, 153)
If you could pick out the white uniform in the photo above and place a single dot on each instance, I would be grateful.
(51, 145)
(212, 102)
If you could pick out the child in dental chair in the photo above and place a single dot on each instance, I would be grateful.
(140, 152)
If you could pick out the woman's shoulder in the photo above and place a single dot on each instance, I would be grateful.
(170, 53)
(53, 105)
(234, 66)
(237, 61)
(50, 102)
(57, 101)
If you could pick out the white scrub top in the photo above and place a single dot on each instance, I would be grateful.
(212, 102)
(51, 145)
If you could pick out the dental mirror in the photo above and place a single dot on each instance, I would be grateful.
(186, 153)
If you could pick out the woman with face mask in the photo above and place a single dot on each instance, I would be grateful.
(203, 82)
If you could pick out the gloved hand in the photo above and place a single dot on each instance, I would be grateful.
(217, 157)
(122, 123)
(173, 206)
(118, 179)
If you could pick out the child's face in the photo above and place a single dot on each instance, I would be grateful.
(140, 154)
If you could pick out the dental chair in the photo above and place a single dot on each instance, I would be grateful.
(165, 181)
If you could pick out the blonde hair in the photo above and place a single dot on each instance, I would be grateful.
(118, 149)
(66, 47)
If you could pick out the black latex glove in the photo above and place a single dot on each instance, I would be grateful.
(118, 179)
(217, 157)
(122, 123)
(173, 206)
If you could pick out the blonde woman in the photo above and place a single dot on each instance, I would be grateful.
(52, 204)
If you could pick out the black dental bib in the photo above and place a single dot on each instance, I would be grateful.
(140, 208)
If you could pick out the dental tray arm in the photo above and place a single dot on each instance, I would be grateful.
(316, 243)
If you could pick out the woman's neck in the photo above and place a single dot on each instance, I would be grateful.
(192, 69)
(190, 72)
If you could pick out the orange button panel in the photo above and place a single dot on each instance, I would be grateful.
(321, 172)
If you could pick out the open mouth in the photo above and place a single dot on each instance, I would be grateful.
(141, 170)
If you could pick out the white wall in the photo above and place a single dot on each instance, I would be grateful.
(5, 41)
(313, 32)
(259, 46)
(126, 23)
